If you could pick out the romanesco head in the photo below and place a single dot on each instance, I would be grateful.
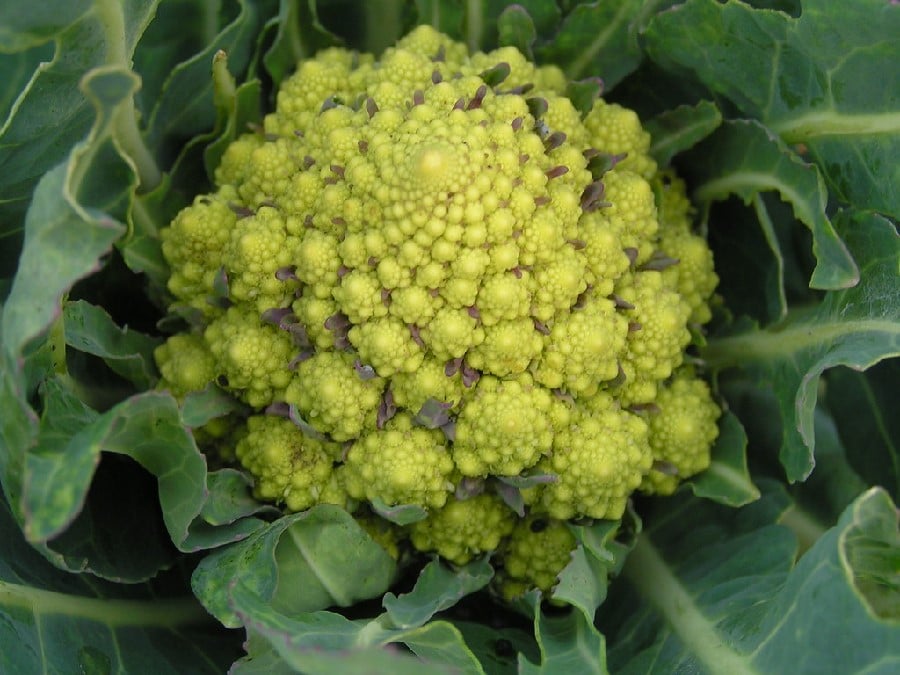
(422, 261)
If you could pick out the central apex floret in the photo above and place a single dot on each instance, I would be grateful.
(435, 165)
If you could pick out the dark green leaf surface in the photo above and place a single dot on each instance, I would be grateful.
(743, 158)
(327, 642)
(583, 583)
(569, 643)
(680, 129)
(54, 622)
(146, 428)
(862, 405)
(597, 39)
(515, 28)
(827, 79)
(128, 352)
(230, 499)
(199, 407)
(857, 327)
(185, 109)
(703, 609)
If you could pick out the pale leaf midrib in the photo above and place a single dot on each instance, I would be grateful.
(656, 582)
(113, 612)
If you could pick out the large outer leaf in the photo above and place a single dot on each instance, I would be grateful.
(743, 158)
(299, 563)
(127, 352)
(597, 39)
(324, 642)
(148, 428)
(863, 405)
(54, 622)
(52, 114)
(827, 79)
(857, 327)
(718, 592)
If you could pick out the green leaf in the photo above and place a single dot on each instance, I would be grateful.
(727, 479)
(55, 622)
(743, 158)
(821, 498)
(826, 79)
(718, 590)
(327, 642)
(300, 35)
(680, 129)
(497, 649)
(299, 563)
(447, 17)
(437, 588)
(515, 28)
(230, 498)
(54, 111)
(127, 352)
(862, 406)
(399, 514)
(599, 556)
(569, 643)
(312, 660)
(185, 105)
(597, 39)
(857, 327)
(238, 107)
(146, 427)
(870, 551)
(199, 407)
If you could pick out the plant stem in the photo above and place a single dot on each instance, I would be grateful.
(166, 613)
(474, 24)
(111, 17)
(384, 24)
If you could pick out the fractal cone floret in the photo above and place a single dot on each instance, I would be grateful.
(428, 276)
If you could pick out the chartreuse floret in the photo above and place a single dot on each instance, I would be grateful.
(400, 464)
(252, 358)
(464, 529)
(505, 428)
(582, 347)
(193, 245)
(599, 460)
(536, 552)
(441, 238)
(185, 363)
(332, 396)
(681, 433)
(289, 468)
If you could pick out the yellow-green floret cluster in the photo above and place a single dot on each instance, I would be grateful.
(435, 282)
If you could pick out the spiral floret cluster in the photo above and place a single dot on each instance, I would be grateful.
(430, 276)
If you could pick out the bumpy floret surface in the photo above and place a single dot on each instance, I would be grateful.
(419, 238)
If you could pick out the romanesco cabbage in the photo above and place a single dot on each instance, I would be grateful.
(437, 276)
